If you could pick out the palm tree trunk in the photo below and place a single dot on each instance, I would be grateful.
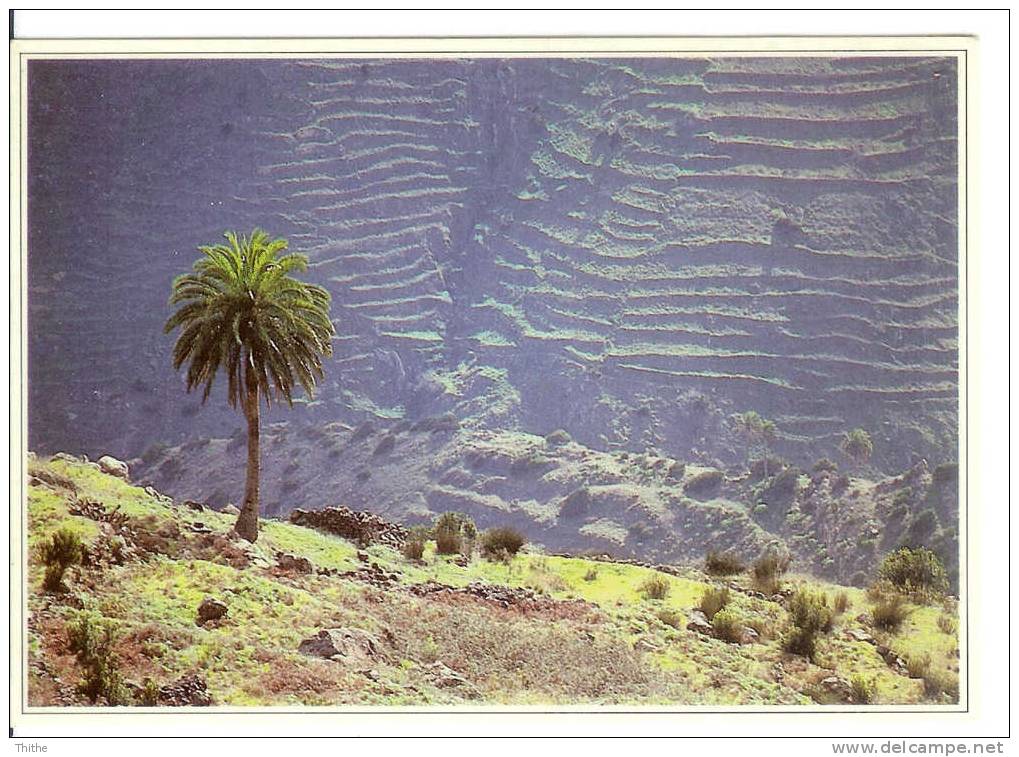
(247, 521)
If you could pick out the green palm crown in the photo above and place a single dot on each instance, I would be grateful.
(240, 306)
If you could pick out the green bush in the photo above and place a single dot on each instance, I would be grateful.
(808, 609)
(149, 694)
(947, 624)
(941, 682)
(801, 641)
(448, 542)
(918, 666)
(723, 564)
(889, 612)
(824, 465)
(810, 615)
(670, 617)
(501, 542)
(841, 602)
(767, 571)
(414, 549)
(655, 587)
(63, 550)
(727, 626)
(916, 571)
(93, 639)
(713, 600)
(864, 689)
(453, 531)
(857, 445)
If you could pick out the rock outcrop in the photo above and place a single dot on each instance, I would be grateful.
(356, 525)
(114, 467)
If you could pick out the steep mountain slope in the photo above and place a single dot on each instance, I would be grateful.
(635, 248)
(166, 607)
(567, 496)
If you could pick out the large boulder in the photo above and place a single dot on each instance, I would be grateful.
(111, 466)
(189, 691)
(210, 609)
(341, 645)
(698, 622)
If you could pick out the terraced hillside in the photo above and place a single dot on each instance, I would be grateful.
(633, 244)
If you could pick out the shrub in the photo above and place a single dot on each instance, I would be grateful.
(655, 587)
(947, 624)
(448, 542)
(857, 445)
(810, 615)
(938, 682)
(704, 485)
(824, 465)
(727, 626)
(809, 609)
(890, 612)
(451, 532)
(841, 602)
(713, 600)
(93, 638)
(557, 437)
(919, 666)
(502, 541)
(414, 549)
(591, 575)
(801, 641)
(767, 570)
(63, 550)
(670, 617)
(723, 564)
(863, 689)
(917, 571)
(149, 694)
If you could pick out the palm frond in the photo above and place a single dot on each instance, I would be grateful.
(242, 310)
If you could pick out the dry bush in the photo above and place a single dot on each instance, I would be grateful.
(713, 600)
(655, 587)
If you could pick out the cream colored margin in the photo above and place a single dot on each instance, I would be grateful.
(710, 721)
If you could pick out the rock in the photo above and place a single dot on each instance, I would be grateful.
(858, 634)
(294, 563)
(189, 691)
(190, 504)
(838, 687)
(210, 609)
(231, 510)
(341, 645)
(67, 458)
(698, 622)
(444, 676)
(356, 525)
(749, 636)
(113, 467)
(644, 645)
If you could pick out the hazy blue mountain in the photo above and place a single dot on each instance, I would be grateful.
(627, 249)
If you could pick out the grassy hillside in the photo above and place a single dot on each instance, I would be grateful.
(534, 629)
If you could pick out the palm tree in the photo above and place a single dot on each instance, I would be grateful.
(240, 310)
